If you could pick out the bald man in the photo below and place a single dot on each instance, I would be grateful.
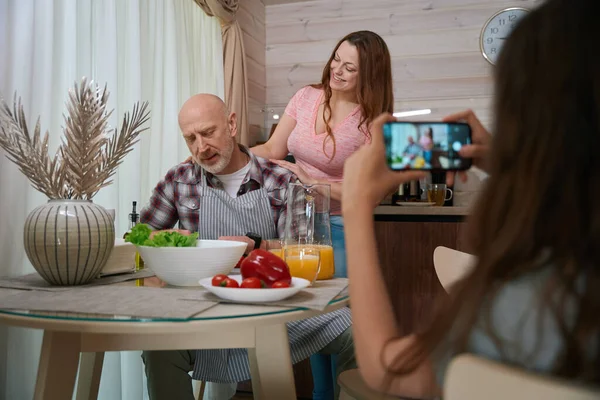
(225, 191)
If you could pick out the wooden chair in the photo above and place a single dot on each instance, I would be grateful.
(451, 265)
(199, 387)
(473, 378)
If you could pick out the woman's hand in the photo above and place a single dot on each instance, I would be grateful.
(296, 170)
(367, 177)
(478, 151)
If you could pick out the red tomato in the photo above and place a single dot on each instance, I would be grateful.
(280, 284)
(230, 283)
(217, 279)
(251, 283)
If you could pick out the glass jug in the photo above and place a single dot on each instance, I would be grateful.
(308, 227)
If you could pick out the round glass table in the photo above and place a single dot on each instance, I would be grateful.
(259, 328)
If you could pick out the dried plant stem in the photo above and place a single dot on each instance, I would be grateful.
(30, 154)
(86, 159)
(119, 145)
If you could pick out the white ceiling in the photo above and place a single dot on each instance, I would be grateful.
(273, 2)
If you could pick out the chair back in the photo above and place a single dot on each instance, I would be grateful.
(474, 378)
(451, 265)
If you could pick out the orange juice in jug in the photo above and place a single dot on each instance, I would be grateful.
(327, 269)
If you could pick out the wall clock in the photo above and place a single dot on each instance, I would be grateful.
(497, 29)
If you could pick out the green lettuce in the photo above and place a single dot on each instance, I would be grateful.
(140, 235)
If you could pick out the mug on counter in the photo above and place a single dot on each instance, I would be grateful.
(438, 193)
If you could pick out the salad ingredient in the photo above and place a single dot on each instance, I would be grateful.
(265, 266)
(280, 284)
(217, 279)
(230, 283)
(251, 283)
(140, 236)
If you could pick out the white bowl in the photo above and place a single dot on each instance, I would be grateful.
(264, 295)
(185, 266)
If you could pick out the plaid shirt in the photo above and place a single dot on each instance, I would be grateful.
(176, 197)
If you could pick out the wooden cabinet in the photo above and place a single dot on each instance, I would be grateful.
(406, 255)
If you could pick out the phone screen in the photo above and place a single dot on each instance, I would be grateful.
(427, 146)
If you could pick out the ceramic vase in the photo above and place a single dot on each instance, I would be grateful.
(69, 241)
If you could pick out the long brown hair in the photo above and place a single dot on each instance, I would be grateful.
(540, 208)
(374, 89)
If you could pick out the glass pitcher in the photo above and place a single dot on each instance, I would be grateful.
(308, 226)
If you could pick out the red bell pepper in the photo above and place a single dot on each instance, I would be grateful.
(265, 266)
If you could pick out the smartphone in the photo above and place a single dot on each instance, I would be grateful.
(426, 146)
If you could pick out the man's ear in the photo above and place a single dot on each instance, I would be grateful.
(232, 121)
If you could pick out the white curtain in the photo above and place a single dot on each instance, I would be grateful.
(162, 51)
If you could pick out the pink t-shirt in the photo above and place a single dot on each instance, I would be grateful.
(306, 145)
(426, 142)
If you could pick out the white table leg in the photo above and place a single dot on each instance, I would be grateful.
(271, 361)
(58, 366)
(255, 374)
(90, 371)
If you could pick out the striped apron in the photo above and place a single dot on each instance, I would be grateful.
(222, 215)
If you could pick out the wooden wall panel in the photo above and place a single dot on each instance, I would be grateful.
(251, 16)
(321, 9)
(384, 22)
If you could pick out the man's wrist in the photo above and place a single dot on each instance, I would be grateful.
(256, 238)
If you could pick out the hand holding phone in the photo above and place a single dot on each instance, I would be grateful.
(426, 146)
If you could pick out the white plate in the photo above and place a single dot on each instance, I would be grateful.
(415, 203)
(266, 295)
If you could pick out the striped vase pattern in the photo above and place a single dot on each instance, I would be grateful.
(69, 241)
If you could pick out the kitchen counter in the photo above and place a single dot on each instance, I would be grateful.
(407, 210)
(421, 214)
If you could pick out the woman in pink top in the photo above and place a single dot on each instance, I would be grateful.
(324, 124)
(426, 143)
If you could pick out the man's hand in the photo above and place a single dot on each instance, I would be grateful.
(478, 151)
(245, 239)
(184, 232)
(153, 281)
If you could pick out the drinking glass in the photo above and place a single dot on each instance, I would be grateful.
(438, 193)
(308, 222)
(303, 260)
